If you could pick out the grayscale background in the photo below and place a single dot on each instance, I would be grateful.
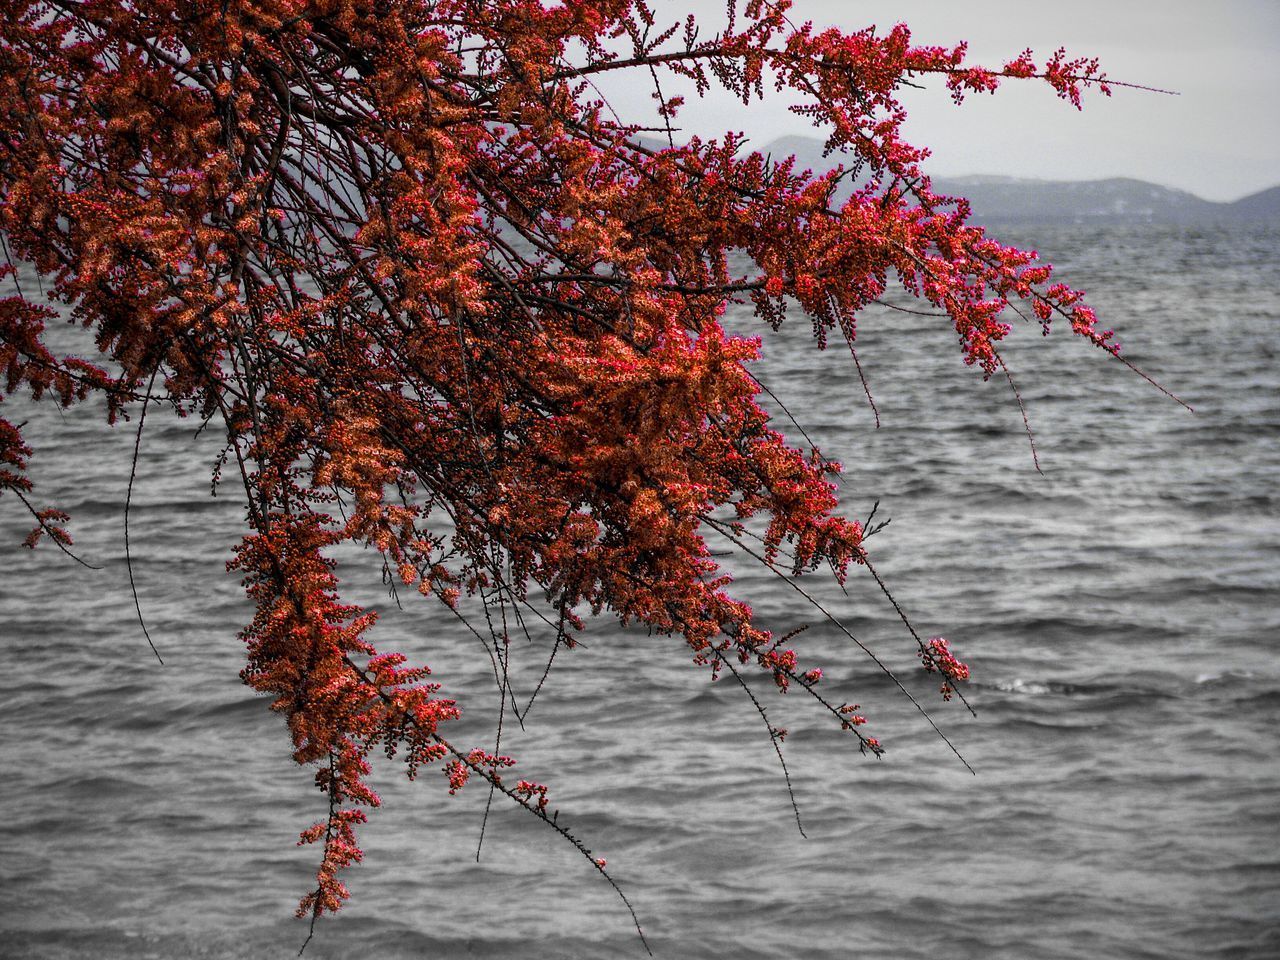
(1119, 613)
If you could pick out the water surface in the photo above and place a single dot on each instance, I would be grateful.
(1119, 614)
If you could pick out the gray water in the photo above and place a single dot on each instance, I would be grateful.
(1119, 613)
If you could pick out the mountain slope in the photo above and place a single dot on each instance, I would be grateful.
(1115, 200)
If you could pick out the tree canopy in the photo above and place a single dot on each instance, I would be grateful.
(445, 303)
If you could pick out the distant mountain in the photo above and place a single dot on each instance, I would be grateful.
(1258, 206)
(1117, 200)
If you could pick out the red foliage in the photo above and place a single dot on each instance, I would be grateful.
(445, 305)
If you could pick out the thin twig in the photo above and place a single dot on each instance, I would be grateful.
(773, 737)
(128, 500)
(831, 618)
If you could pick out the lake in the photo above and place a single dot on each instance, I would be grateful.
(1119, 613)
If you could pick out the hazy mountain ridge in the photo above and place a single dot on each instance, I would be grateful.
(1114, 200)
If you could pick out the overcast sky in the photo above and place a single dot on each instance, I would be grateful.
(1219, 138)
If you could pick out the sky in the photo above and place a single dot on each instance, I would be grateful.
(1219, 137)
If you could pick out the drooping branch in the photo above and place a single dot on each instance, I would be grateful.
(447, 306)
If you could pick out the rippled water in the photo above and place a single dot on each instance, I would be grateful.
(1119, 612)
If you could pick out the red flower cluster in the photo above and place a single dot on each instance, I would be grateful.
(937, 657)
